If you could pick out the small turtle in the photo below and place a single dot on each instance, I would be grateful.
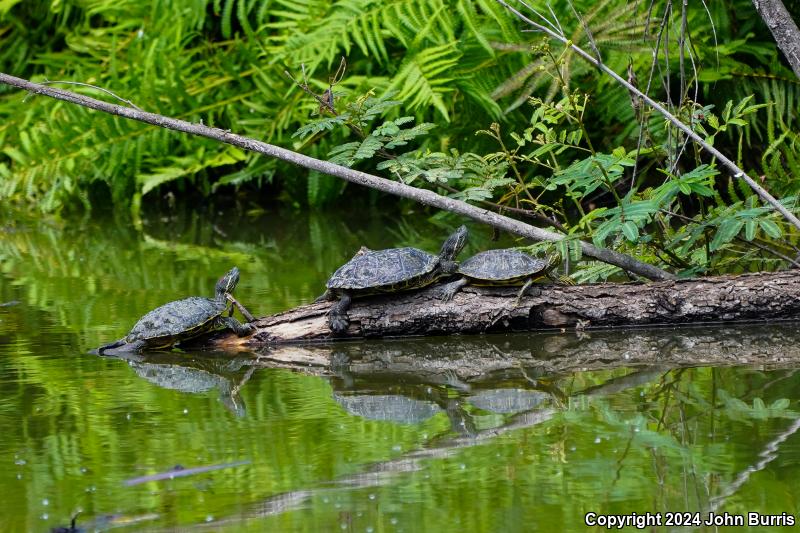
(499, 268)
(181, 320)
(392, 270)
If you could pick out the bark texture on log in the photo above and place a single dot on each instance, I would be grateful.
(764, 297)
(783, 29)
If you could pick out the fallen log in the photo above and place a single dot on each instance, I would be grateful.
(723, 299)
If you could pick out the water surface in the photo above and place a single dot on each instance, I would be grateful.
(394, 437)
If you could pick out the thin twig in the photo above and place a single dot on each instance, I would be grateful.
(423, 196)
(48, 82)
(667, 81)
(587, 31)
(730, 165)
(324, 103)
(682, 48)
(713, 30)
(643, 115)
(774, 252)
(557, 29)
(684, 86)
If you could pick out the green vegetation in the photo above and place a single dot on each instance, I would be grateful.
(447, 94)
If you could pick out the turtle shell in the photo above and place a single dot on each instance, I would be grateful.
(386, 270)
(177, 320)
(504, 265)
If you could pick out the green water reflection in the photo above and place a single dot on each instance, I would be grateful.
(373, 444)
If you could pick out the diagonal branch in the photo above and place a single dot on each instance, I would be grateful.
(727, 163)
(783, 29)
(423, 196)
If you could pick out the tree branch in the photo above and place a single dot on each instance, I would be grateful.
(423, 196)
(783, 29)
(730, 165)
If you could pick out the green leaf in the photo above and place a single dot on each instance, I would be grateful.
(604, 230)
(630, 230)
(725, 233)
(780, 404)
(159, 177)
(771, 228)
(368, 147)
(750, 229)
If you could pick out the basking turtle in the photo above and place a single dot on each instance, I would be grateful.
(395, 269)
(181, 320)
(497, 268)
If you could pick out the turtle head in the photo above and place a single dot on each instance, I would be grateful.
(451, 248)
(227, 283)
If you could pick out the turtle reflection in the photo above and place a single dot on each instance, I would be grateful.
(387, 407)
(403, 409)
(197, 375)
(508, 401)
(387, 386)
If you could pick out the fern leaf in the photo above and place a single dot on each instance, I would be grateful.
(419, 80)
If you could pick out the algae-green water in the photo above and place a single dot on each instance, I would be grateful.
(200, 441)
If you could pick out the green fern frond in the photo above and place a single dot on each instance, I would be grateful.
(319, 30)
(418, 82)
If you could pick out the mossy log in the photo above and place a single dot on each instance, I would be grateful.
(765, 297)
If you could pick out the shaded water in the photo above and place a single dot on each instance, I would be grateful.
(392, 438)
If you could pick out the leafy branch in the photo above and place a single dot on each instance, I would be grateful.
(423, 196)
(553, 31)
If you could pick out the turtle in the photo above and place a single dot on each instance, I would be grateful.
(502, 267)
(177, 321)
(386, 271)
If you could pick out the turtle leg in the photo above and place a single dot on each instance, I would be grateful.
(337, 316)
(238, 328)
(449, 290)
(245, 313)
(326, 296)
(522, 291)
